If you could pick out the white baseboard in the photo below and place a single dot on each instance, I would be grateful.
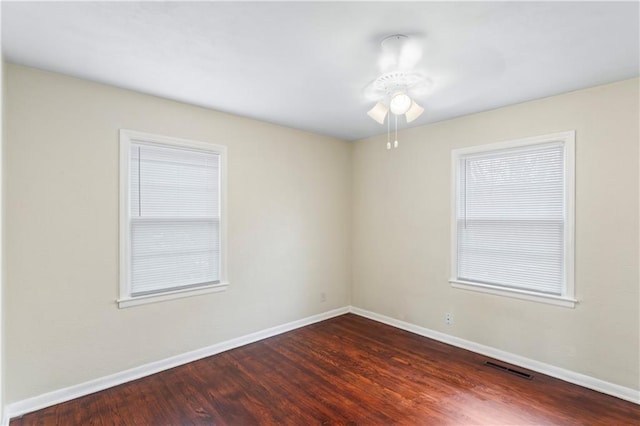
(66, 394)
(579, 379)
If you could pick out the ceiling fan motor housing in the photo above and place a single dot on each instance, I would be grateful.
(398, 81)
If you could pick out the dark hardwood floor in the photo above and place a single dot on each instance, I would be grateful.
(346, 370)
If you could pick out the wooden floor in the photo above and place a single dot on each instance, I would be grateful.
(346, 370)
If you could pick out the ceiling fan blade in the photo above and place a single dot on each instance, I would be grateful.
(391, 49)
(459, 78)
(399, 53)
(410, 55)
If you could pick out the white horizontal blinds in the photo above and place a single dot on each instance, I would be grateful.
(175, 218)
(174, 182)
(510, 218)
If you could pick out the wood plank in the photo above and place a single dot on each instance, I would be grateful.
(346, 370)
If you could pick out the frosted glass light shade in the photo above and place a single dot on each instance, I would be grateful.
(400, 103)
(378, 112)
(414, 112)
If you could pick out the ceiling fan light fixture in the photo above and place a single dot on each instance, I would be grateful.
(400, 103)
(414, 112)
(392, 88)
(378, 112)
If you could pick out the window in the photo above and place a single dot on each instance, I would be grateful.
(513, 218)
(172, 195)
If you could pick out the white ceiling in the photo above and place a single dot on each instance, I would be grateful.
(304, 65)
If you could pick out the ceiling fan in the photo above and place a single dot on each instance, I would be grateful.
(399, 81)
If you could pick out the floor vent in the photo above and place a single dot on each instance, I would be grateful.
(509, 370)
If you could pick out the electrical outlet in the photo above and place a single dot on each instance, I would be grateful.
(448, 318)
(323, 297)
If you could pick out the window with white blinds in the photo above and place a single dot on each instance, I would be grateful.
(172, 204)
(513, 224)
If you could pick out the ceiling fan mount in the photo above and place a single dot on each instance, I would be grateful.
(393, 41)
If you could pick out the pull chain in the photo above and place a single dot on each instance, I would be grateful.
(388, 133)
(395, 142)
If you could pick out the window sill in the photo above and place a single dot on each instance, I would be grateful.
(567, 302)
(170, 295)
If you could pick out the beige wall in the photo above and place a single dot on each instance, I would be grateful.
(401, 234)
(297, 228)
(2, 127)
(288, 209)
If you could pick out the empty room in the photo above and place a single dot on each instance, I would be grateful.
(297, 213)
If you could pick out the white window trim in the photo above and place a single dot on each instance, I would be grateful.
(567, 298)
(127, 137)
